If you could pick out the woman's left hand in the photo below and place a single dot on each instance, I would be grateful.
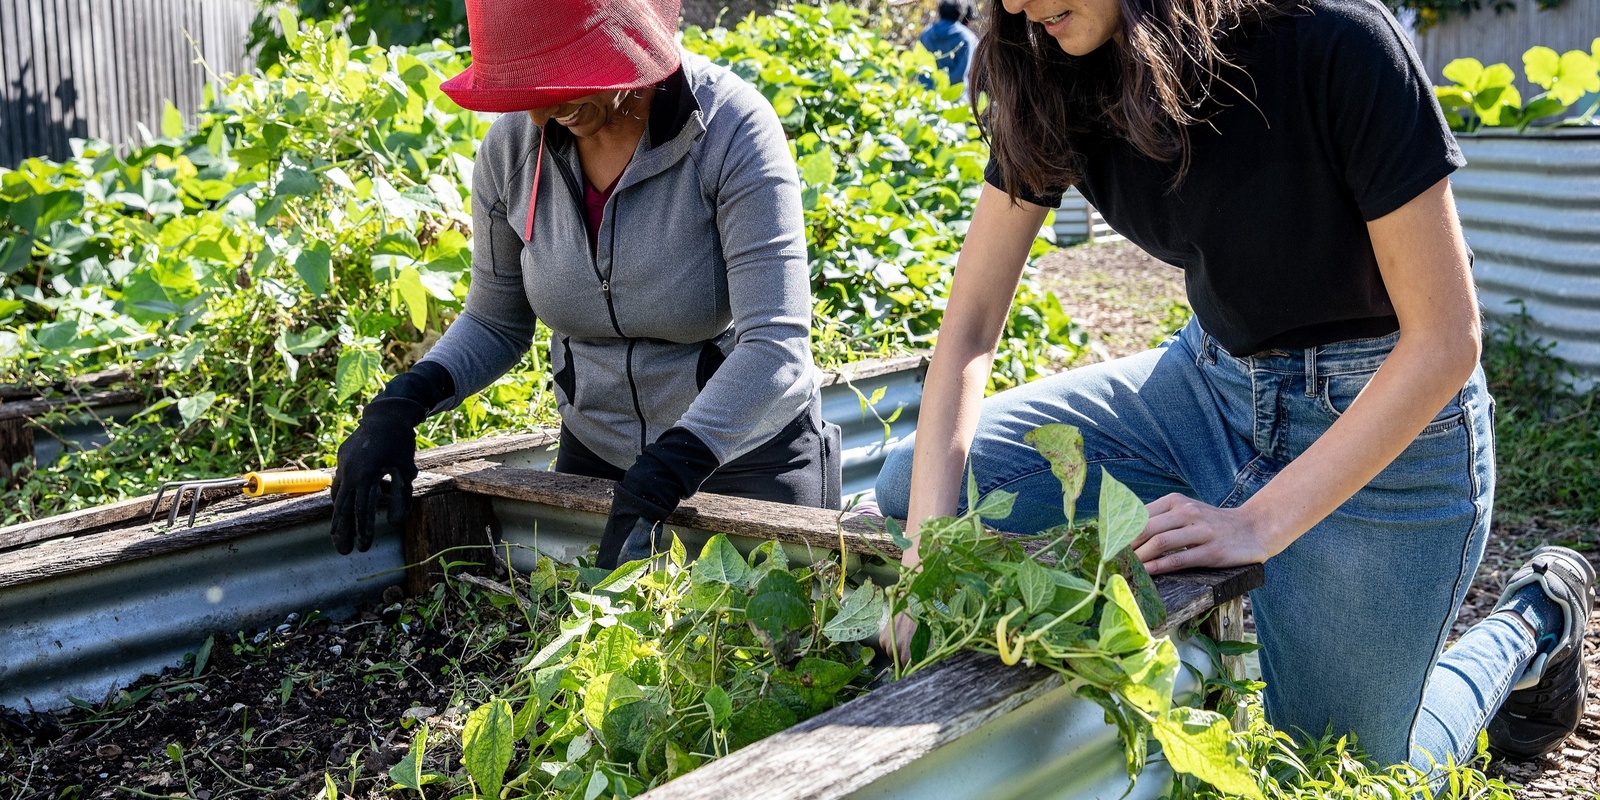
(1185, 533)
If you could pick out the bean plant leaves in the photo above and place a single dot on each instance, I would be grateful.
(357, 370)
(314, 265)
(1062, 446)
(408, 773)
(779, 613)
(1152, 674)
(1122, 627)
(1122, 516)
(758, 720)
(1198, 742)
(860, 615)
(605, 694)
(194, 407)
(1038, 589)
(720, 706)
(720, 562)
(486, 744)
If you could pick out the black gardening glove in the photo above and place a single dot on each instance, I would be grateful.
(383, 445)
(664, 474)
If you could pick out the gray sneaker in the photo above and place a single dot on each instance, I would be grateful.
(1546, 706)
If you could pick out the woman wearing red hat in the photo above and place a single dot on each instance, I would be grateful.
(642, 202)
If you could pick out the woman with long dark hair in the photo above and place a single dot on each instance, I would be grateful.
(1323, 413)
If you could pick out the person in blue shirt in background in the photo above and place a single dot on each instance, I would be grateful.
(950, 41)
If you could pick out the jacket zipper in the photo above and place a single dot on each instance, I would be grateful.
(611, 255)
(577, 197)
(605, 287)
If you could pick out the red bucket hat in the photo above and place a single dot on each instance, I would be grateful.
(540, 53)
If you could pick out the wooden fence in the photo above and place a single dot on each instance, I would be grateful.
(95, 68)
(1503, 38)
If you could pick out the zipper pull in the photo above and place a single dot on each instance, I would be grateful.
(605, 288)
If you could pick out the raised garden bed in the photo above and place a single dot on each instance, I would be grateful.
(84, 612)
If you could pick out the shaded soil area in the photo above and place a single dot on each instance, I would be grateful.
(270, 713)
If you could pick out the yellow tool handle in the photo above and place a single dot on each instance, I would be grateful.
(294, 482)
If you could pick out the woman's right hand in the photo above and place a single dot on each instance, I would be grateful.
(383, 445)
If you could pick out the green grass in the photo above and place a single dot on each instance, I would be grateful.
(1547, 436)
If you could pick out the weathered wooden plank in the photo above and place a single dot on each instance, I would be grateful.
(453, 526)
(759, 519)
(99, 518)
(23, 409)
(871, 368)
(843, 750)
(93, 380)
(232, 519)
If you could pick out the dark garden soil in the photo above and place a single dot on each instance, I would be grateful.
(272, 712)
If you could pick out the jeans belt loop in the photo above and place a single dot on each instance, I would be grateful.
(1311, 372)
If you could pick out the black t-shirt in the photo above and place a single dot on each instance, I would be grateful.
(1337, 126)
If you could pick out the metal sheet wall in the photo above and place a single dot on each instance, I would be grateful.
(95, 68)
(1503, 38)
(1530, 206)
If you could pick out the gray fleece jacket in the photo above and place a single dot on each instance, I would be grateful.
(694, 307)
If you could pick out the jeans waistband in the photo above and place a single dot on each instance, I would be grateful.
(1348, 356)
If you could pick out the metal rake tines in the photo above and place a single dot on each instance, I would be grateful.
(195, 488)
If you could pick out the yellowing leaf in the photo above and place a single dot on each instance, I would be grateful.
(1541, 65)
(1464, 71)
(486, 745)
(1122, 627)
(1198, 742)
(414, 296)
(1062, 446)
(171, 121)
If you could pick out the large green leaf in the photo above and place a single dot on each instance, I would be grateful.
(358, 369)
(860, 615)
(486, 745)
(314, 265)
(1198, 742)
(720, 562)
(1122, 516)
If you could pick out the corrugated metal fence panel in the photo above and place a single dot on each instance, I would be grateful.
(94, 68)
(1530, 207)
(1503, 38)
(1077, 221)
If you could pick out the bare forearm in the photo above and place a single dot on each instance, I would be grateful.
(1418, 378)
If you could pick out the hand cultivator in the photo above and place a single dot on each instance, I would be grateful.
(254, 484)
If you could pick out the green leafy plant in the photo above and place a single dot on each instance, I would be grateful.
(661, 665)
(382, 24)
(1547, 445)
(264, 271)
(1073, 599)
(1483, 97)
(891, 170)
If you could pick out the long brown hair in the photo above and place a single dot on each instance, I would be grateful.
(1146, 85)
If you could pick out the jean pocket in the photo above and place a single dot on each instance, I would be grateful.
(1336, 392)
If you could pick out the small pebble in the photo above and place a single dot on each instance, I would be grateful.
(336, 650)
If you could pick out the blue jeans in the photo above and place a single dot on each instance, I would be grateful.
(1353, 616)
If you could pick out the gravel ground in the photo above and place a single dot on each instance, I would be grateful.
(1130, 301)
